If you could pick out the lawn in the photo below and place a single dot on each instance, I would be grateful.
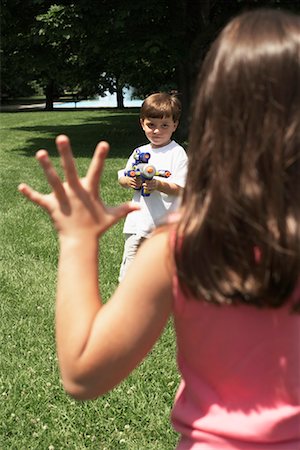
(35, 411)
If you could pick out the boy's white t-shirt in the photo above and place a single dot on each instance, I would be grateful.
(154, 208)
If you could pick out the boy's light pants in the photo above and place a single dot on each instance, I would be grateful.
(132, 243)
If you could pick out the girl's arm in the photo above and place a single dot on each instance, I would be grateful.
(98, 345)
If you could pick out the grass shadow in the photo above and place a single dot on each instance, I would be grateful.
(121, 130)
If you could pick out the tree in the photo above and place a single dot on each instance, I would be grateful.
(50, 44)
(90, 47)
(60, 60)
(17, 18)
(196, 24)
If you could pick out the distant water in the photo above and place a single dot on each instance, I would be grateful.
(109, 101)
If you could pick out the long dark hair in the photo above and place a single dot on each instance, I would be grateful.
(239, 233)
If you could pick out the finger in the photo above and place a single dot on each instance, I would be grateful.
(32, 195)
(51, 175)
(118, 212)
(64, 148)
(96, 167)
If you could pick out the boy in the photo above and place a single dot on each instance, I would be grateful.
(159, 117)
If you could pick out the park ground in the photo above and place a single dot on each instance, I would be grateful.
(36, 414)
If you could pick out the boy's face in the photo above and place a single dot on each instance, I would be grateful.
(159, 131)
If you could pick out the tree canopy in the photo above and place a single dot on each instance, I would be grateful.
(91, 47)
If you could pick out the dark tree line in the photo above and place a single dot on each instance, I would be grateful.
(89, 47)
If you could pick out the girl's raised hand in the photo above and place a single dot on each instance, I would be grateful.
(74, 205)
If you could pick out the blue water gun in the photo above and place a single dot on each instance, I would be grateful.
(141, 168)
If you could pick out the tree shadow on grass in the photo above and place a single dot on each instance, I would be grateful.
(122, 131)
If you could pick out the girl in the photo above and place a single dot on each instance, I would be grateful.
(227, 270)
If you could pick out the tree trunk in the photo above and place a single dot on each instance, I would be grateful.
(185, 98)
(49, 92)
(120, 97)
(195, 17)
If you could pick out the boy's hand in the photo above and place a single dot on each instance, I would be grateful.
(135, 182)
(150, 185)
(74, 205)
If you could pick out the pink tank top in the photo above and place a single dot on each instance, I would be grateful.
(240, 369)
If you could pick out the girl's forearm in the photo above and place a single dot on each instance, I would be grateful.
(78, 299)
(98, 346)
(80, 216)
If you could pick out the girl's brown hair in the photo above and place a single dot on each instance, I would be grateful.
(238, 237)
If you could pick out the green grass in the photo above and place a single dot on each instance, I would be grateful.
(35, 412)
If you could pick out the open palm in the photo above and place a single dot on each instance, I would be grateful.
(74, 205)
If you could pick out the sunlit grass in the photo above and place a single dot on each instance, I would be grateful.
(35, 411)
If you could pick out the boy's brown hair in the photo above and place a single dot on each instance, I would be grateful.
(160, 105)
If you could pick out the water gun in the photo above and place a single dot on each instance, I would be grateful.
(140, 157)
(141, 168)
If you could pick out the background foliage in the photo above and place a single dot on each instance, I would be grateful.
(86, 48)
